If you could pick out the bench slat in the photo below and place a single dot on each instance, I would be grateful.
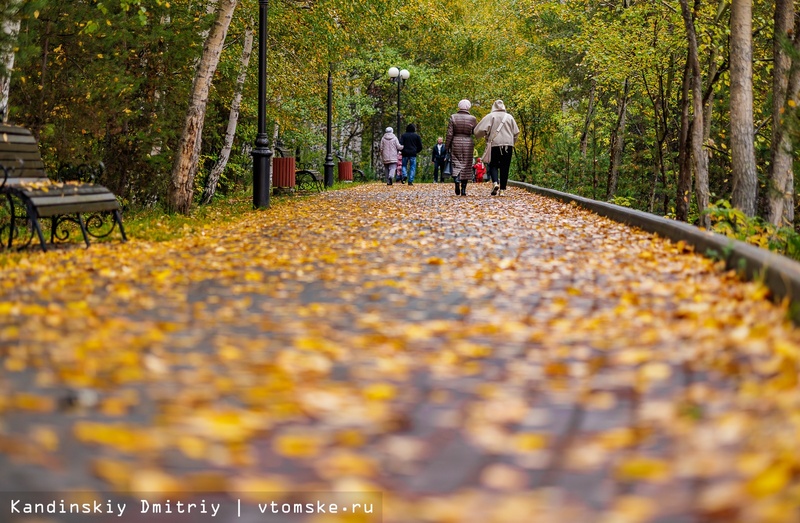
(41, 201)
(34, 174)
(12, 149)
(10, 160)
(56, 191)
(16, 182)
(13, 135)
(20, 153)
(81, 207)
(21, 148)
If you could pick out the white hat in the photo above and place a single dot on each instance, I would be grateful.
(389, 130)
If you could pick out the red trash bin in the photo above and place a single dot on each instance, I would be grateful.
(283, 173)
(345, 171)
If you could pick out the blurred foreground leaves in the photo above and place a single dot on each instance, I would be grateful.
(476, 359)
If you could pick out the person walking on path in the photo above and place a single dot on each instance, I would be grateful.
(412, 145)
(400, 167)
(480, 170)
(460, 144)
(389, 149)
(501, 131)
(438, 155)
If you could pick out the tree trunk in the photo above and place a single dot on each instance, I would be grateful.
(743, 156)
(11, 32)
(684, 186)
(713, 72)
(181, 187)
(588, 120)
(233, 120)
(594, 162)
(780, 196)
(618, 142)
(158, 106)
(584, 144)
(661, 128)
(699, 157)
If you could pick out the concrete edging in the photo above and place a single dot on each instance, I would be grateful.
(780, 274)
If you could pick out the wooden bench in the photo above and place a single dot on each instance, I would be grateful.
(32, 196)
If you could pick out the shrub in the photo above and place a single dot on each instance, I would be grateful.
(733, 223)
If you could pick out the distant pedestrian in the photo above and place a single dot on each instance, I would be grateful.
(401, 175)
(460, 145)
(438, 155)
(389, 149)
(480, 170)
(501, 131)
(412, 145)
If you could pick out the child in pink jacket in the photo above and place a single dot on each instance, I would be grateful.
(480, 170)
(400, 174)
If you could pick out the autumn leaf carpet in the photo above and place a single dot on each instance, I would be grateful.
(471, 359)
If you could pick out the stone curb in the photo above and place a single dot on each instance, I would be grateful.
(780, 274)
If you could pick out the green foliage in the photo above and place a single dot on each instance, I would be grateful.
(727, 220)
(624, 201)
(107, 81)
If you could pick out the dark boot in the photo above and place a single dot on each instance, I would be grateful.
(463, 188)
(458, 189)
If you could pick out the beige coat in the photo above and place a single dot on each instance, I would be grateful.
(505, 135)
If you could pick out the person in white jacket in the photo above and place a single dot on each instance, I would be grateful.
(501, 131)
(389, 148)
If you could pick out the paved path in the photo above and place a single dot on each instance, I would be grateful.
(471, 358)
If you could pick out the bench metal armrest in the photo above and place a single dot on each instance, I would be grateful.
(87, 173)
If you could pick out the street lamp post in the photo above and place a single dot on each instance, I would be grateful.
(329, 151)
(262, 153)
(399, 77)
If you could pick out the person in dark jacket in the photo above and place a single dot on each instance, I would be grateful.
(438, 156)
(461, 145)
(412, 145)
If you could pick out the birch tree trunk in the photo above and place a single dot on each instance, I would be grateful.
(780, 195)
(618, 142)
(233, 120)
(699, 157)
(743, 156)
(158, 95)
(11, 32)
(184, 169)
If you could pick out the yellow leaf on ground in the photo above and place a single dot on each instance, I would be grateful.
(773, 479)
(640, 468)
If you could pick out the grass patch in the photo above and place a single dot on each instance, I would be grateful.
(158, 225)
